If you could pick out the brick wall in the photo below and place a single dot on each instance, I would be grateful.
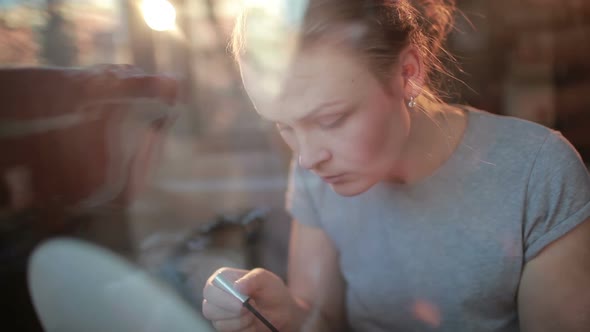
(529, 58)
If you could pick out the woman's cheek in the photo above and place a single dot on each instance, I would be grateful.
(358, 144)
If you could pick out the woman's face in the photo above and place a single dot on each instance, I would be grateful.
(339, 120)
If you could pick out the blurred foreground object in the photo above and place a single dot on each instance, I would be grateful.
(100, 291)
(76, 145)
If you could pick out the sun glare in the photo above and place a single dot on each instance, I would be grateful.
(159, 15)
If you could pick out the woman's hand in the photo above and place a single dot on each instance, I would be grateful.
(268, 294)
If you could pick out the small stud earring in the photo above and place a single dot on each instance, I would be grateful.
(412, 102)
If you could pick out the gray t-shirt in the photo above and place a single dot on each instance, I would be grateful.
(447, 254)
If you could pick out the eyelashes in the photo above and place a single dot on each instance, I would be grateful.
(331, 121)
(324, 122)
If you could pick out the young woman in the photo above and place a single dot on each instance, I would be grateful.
(410, 214)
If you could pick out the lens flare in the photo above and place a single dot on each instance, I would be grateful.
(160, 15)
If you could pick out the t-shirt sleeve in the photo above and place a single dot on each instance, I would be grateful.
(558, 194)
(300, 202)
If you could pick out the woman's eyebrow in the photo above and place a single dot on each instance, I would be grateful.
(307, 116)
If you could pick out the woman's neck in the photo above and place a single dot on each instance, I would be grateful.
(435, 134)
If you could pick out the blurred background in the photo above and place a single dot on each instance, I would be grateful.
(182, 188)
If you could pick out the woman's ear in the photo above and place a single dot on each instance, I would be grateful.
(412, 72)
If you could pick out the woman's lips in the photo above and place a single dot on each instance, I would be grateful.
(333, 178)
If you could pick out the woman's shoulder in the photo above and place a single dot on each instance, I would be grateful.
(511, 125)
(503, 131)
(511, 138)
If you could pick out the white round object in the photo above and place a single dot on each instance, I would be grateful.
(77, 286)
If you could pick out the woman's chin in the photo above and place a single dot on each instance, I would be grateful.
(350, 188)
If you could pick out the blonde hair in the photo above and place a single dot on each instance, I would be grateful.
(381, 29)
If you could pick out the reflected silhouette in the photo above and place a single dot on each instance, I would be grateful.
(58, 44)
(76, 145)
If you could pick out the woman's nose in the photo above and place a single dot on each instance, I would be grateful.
(310, 159)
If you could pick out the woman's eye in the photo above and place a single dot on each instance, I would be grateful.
(331, 121)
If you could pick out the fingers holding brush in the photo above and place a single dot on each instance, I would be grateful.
(238, 300)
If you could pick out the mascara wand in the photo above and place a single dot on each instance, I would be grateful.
(227, 286)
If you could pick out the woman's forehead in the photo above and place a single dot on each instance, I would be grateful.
(312, 79)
